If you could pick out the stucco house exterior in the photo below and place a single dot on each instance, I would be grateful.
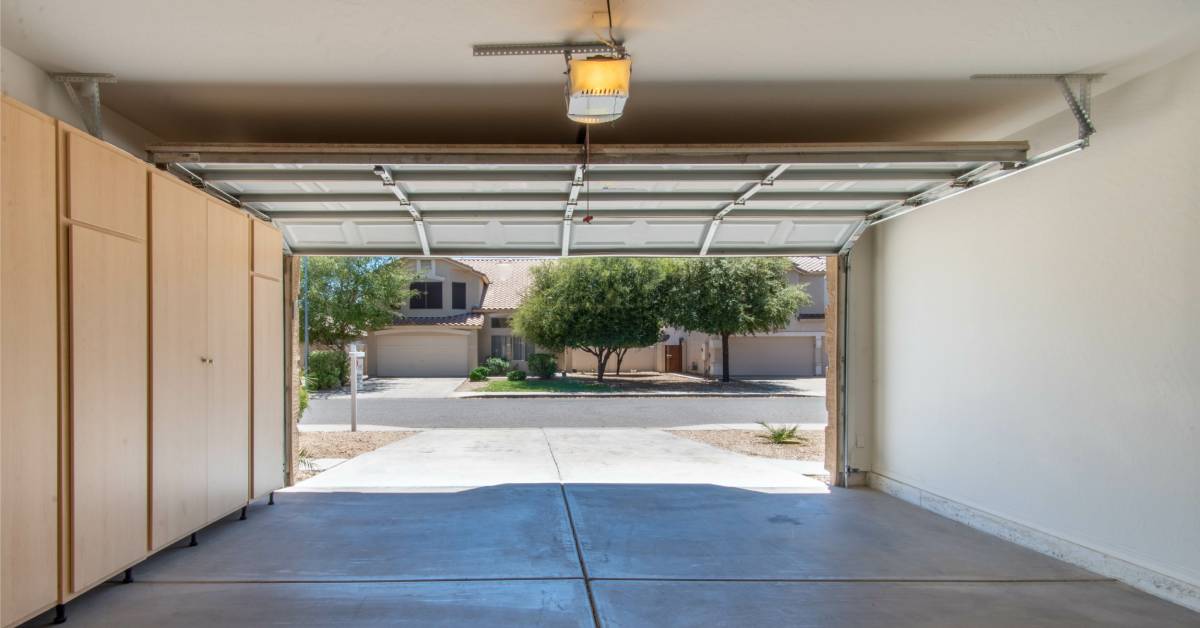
(463, 311)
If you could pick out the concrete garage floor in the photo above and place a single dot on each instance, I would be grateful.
(584, 542)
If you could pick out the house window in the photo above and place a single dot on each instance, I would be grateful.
(512, 348)
(499, 323)
(458, 295)
(428, 296)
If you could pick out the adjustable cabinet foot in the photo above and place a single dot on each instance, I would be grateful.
(271, 500)
(243, 517)
(128, 576)
(60, 614)
(193, 542)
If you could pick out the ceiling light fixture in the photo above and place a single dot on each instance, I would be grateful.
(597, 86)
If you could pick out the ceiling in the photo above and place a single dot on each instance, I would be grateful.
(401, 70)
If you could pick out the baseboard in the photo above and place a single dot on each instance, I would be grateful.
(1161, 585)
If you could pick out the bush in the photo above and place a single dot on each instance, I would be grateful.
(305, 384)
(496, 366)
(516, 376)
(543, 365)
(478, 374)
(328, 369)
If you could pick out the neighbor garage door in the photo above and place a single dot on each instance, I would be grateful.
(435, 355)
(775, 356)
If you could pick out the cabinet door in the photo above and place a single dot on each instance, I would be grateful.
(268, 385)
(106, 187)
(28, 364)
(179, 352)
(229, 347)
(109, 413)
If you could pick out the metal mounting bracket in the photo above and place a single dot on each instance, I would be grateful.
(551, 48)
(1079, 99)
(84, 91)
(385, 175)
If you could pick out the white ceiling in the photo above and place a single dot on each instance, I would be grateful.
(704, 70)
(422, 41)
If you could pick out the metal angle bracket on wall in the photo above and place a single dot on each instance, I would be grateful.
(84, 92)
(1078, 97)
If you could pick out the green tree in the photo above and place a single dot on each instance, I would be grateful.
(349, 296)
(600, 305)
(726, 296)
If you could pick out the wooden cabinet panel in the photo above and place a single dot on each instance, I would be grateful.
(229, 348)
(179, 294)
(268, 250)
(268, 385)
(109, 414)
(28, 364)
(105, 186)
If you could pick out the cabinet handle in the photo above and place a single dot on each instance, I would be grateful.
(203, 360)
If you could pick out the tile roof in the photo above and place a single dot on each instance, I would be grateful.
(457, 320)
(508, 279)
(809, 264)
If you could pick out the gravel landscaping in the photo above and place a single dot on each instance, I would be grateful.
(342, 445)
(643, 382)
(809, 445)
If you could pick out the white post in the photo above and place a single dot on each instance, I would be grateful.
(354, 356)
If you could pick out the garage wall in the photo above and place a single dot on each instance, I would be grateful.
(1037, 345)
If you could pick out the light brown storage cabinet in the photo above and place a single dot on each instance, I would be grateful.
(28, 364)
(268, 360)
(201, 334)
(141, 364)
(105, 212)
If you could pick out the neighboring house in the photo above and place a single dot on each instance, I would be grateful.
(463, 311)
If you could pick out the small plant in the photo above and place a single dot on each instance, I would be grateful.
(780, 435)
(306, 383)
(479, 374)
(305, 458)
(516, 376)
(496, 366)
(543, 365)
(328, 369)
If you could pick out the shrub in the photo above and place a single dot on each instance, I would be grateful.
(780, 435)
(496, 366)
(306, 382)
(543, 365)
(516, 376)
(478, 374)
(328, 369)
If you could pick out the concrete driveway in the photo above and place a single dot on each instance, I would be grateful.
(382, 388)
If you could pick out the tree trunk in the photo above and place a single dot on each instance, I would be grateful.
(601, 362)
(620, 359)
(724, 357)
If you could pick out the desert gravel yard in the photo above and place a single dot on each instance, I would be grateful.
(343, 445)
(809, 445)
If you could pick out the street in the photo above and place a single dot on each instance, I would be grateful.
(567, 412)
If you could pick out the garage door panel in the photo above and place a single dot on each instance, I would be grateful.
(423, 355)
(774, 356)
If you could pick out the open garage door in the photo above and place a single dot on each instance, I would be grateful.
(445, 200)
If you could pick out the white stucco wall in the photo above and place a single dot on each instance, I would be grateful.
(1037, 341)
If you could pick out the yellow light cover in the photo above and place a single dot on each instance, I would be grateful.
(600, 76)
(597, 89)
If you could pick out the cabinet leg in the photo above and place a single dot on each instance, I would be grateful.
(60, 614)
(271, 500)
(193, 542)
(128, 576)
(243, 517)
